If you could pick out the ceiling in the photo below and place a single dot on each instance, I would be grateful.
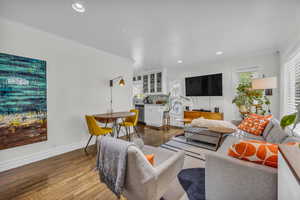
(158, 33)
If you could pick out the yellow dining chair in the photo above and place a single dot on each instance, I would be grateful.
(130, 122)
(95, 129)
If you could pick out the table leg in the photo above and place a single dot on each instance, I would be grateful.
(106, 122)
(127, 133)
(114, 128)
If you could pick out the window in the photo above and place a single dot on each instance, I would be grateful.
(292, 86)
(246, 77)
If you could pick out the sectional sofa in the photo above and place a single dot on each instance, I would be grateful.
(228, 178)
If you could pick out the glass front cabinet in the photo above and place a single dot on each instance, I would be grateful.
(152, 82)
(145, 84)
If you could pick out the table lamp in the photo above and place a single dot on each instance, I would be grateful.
(266, 84)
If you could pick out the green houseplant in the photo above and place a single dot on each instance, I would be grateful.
(246, 98)
(291, 119)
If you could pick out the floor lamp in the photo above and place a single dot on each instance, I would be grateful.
(111, 84)
(266, 84)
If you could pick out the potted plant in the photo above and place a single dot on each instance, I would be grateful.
(291, 119)
(247, 98)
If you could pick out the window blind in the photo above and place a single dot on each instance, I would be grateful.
(292, 86)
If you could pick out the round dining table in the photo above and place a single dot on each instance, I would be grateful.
(113, 118)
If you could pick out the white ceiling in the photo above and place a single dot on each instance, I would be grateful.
(157, 33)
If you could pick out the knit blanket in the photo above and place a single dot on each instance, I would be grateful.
(111, 163)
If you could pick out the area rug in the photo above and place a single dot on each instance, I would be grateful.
(192, 149)
(193, 182)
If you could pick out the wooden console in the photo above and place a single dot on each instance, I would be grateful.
(190, 115)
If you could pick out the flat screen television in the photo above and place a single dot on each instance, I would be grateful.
(208, 85)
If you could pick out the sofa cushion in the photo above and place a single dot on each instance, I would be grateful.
(247, 136)
(276, 134)
(254, 124)
(259, 152)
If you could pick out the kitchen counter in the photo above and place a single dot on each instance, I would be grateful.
(152, 104)
(154, 114)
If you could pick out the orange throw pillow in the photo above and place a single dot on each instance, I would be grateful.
(255, 124)
(150, 158)
(259, 152)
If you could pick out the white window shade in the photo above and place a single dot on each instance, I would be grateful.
(292, 87)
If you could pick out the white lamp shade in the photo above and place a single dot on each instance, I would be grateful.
(264, 83)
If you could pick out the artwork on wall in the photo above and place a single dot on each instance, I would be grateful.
(23, 101)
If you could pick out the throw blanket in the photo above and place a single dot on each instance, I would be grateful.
(111, 163)
(208, 123)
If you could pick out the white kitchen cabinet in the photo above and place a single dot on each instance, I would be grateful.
(154, 114)
(153, 82)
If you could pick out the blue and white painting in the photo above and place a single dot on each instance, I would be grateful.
(23, 101)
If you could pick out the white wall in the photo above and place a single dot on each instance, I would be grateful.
(77, 78)
(268, 62)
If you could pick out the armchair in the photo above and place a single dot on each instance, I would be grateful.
(147, 182)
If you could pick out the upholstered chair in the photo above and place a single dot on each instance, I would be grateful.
(147, 182)
(95, 129)
(130, 122)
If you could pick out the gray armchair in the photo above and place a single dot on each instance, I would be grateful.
(147, 182)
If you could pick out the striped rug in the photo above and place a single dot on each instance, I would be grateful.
(192, 149)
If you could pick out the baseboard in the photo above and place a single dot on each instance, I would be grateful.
(20, 161)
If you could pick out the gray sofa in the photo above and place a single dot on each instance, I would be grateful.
(228, 178)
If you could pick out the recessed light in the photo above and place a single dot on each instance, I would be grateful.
(78, 6)
(219, 53)
(179, 61)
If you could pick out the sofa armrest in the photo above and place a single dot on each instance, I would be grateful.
(167, 172)
(229, 178)
(236, 122)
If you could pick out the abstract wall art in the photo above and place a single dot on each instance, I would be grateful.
(23, 101)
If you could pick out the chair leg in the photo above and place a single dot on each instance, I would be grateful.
(118, 132)
(127, 134)
(96, 143)
(136, 131)
(88, 143)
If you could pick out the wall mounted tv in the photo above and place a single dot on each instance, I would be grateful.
(208, 85)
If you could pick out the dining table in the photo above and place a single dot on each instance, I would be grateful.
(113, 118)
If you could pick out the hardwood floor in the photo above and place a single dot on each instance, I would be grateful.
(67, 176)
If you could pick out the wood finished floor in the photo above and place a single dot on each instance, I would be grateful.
(67, 176)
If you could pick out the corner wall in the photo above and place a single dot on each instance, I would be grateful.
(77, 78)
